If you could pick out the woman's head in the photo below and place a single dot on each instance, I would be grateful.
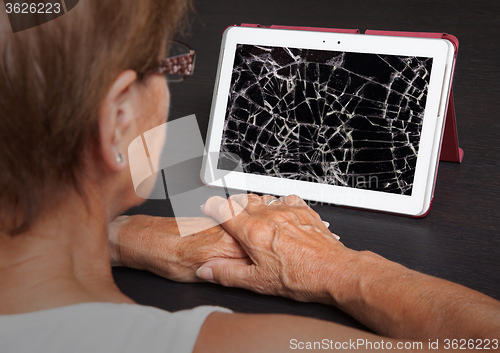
(53, 81)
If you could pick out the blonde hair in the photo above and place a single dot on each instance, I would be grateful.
(52, 80)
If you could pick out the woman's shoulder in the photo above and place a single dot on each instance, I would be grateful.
(106, 327)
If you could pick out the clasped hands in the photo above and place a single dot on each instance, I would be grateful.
(279, 248)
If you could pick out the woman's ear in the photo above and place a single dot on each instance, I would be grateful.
(116, 118)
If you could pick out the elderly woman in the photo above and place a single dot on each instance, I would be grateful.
(74, 93)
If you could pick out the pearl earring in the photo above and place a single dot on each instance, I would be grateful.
(119, 158)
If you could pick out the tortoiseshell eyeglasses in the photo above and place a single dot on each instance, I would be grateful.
(179, 64)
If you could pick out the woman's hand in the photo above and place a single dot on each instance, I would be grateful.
(153, 244)
(291, 251)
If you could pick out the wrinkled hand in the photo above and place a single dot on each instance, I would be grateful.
(153, 244)
(291, 251)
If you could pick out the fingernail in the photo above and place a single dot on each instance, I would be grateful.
(326, 224)
(205, 273)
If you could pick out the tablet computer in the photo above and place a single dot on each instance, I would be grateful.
(347, 119)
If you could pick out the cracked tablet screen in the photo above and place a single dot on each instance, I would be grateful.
(338, 118)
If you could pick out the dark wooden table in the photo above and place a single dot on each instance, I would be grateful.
(459, 240)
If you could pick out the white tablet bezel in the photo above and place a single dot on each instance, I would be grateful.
(417, 204)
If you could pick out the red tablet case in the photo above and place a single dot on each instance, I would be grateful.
(450, 152)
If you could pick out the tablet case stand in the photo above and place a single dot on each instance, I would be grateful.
(450, 152)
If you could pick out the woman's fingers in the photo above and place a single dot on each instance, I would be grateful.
(288, 208)
(327, 225)
(247, 201)
(228, 272)
(254, 203)
(229, 213)
(293, 200)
